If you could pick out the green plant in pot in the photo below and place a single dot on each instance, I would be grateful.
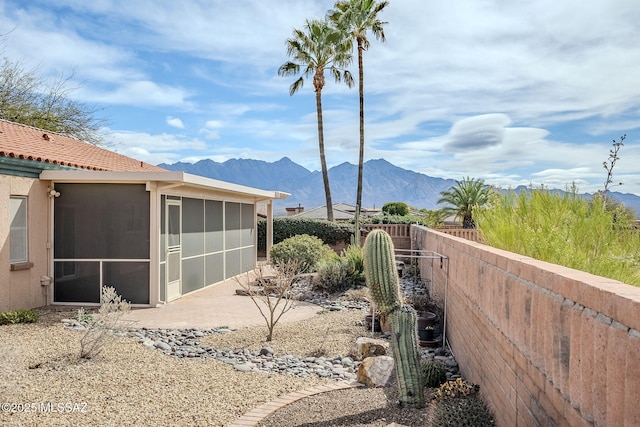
(426, 334)
(383, 282)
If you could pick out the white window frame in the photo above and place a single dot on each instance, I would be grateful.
(19, 232)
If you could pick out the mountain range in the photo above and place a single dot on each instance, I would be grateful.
(382, 182)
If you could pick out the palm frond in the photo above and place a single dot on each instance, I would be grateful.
(295, 86)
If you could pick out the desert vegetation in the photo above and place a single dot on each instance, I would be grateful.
(566, 229)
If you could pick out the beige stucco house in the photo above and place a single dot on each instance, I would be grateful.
(75, 217)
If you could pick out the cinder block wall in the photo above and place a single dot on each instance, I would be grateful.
(550, 346)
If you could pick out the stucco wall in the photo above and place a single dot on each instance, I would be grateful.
(22, 289)
(549, 345)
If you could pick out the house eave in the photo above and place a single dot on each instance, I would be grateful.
(162, 179)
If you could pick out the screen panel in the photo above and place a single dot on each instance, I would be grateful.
(76, 282)
(192, 274)
(214, 268)
(101, 221)
(130, 280)
(214, 231)
(192, 227)
(247, 224)
(233, 263)
(232, 225)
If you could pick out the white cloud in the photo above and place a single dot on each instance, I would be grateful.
(175, 122)
(154, 149)
(477, 133)
(139, 93)
(511, 92)
(213, 124)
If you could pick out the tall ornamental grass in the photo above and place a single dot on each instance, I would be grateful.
(564, 229)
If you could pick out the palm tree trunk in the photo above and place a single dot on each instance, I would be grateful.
(323, 160)
(468, 222)
(361, 156)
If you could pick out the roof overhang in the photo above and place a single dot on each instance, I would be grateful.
(167, 179)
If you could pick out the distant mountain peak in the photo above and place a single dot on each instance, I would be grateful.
(382, 182)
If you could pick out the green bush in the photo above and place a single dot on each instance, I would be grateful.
(383, 218)
(284, 227)
(334, 275)
(18, 316)
(340, 274)
(564, 229)
(304, 250)
(396, 208)
(354, 254)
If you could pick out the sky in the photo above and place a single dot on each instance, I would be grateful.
(512, 92)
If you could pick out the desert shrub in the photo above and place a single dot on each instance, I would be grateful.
(334, 275)
(395, 208)
(303, 250)
(18, 316)
(564, 229)
(398, 219)
(340, 274)
(103, 323)
(330, 232)
(354, 254)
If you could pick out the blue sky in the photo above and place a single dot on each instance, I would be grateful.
(508, 91)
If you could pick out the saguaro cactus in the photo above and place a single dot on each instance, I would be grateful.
(380, 271)
(383, 282)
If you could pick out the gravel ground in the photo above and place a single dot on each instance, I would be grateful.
(128, 384)
(357, 407)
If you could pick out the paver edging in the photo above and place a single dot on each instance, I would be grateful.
(254, 416)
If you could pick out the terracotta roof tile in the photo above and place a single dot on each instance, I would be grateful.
(26, 142)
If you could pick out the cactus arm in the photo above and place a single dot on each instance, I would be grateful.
(405, 353)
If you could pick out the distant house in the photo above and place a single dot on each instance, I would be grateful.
(341, 212)
(76, 217)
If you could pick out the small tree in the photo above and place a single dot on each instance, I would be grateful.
(29, 99)
(271, 293)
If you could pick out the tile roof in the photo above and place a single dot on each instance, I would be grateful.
(321, 213)
(26, 142)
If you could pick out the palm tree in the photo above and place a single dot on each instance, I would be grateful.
(319, 47)
(356, 18)
(463, 198)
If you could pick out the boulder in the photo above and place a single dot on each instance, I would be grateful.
(369, 347)
(376, 371)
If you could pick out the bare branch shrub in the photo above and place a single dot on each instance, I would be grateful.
(608, 166)
(103, 323)
(270, 291)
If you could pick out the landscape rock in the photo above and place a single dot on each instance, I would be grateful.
(376, 371)
(368, 347)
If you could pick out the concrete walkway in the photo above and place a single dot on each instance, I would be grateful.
(215, 306)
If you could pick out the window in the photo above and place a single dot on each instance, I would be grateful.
(19, 251)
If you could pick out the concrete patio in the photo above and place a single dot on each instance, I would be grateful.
(215, 306)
